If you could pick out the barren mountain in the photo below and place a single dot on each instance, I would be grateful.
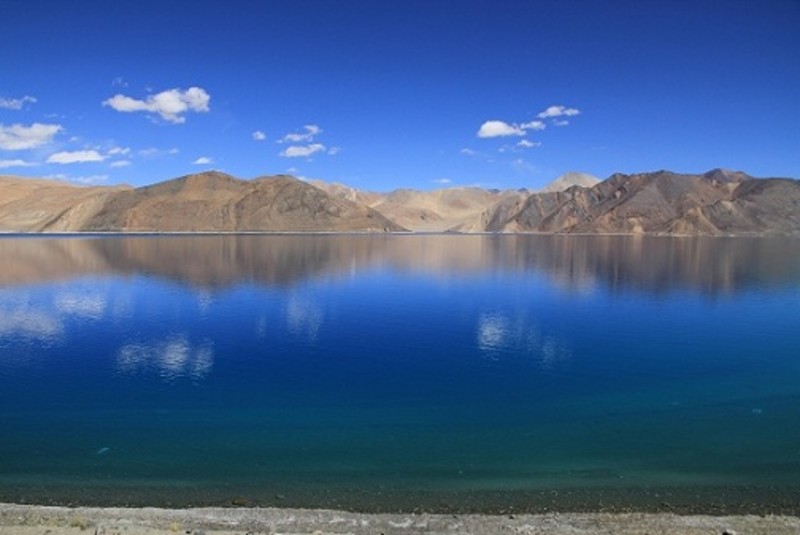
(425, 211)
(343, 191)
(567, 180)
(438, 210)
(32, 205)
(209, 201)
(716, 203)
(719, 202)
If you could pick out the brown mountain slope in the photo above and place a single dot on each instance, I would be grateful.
(438, 210)
(215, 201)
(32, 205)
(344, 191)
(718, 202)
(569, 179)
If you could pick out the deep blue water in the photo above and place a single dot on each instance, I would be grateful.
(401, 372)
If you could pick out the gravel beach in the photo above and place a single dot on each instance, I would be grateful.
(46, 520)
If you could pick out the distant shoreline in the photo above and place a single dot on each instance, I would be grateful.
(149, 233)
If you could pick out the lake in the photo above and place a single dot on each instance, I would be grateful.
(401, 372)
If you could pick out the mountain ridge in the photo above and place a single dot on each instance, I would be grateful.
(718, 202)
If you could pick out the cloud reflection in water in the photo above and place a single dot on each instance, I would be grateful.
(497, 334)
(171, 358)
(29, 323)
(303, 317)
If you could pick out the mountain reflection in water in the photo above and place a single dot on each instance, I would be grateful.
(579, 263)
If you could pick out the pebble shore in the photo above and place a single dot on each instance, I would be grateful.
(47, 520)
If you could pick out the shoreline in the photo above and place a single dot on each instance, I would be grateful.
(18, 519)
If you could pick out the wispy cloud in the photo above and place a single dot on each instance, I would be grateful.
(302, 151)
(558, 111)
(20, 137)
(90, 180)
(309, 146)
(443, 181)
(310, 131)
(78, 156)
(170, 105)
(258, 135)
(117, 151)
(120, 163)
(524, 167)
(525, 144)
(153, 152)
(5, 164)
(533, 125)
(203, 160)
(16, 103)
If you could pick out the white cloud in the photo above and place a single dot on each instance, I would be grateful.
(334, 150)
(525, 144)
(19, 137)
(5, 164)
(78, 156)
(468, 152)
(258, 135)
(558, 111)
(302, 151)
(499, 129)
(119, 151)
(153, 152)
(562, 122)
(203, 160)
(119, 81)
(533, 125)
(16, 103)
(443, 181)
(169, 105)
(90, 180)
(120, 163)
(311, 130)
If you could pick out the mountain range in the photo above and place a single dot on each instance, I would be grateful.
(718, 202)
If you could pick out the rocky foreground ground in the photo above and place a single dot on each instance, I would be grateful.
(41, 520)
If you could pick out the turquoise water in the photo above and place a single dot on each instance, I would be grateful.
(401, 372)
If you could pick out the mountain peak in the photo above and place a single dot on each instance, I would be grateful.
(726, 175)
(569, 179)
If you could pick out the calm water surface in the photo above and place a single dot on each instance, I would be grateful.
(401, 372)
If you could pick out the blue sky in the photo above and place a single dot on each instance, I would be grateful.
(388, 94)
